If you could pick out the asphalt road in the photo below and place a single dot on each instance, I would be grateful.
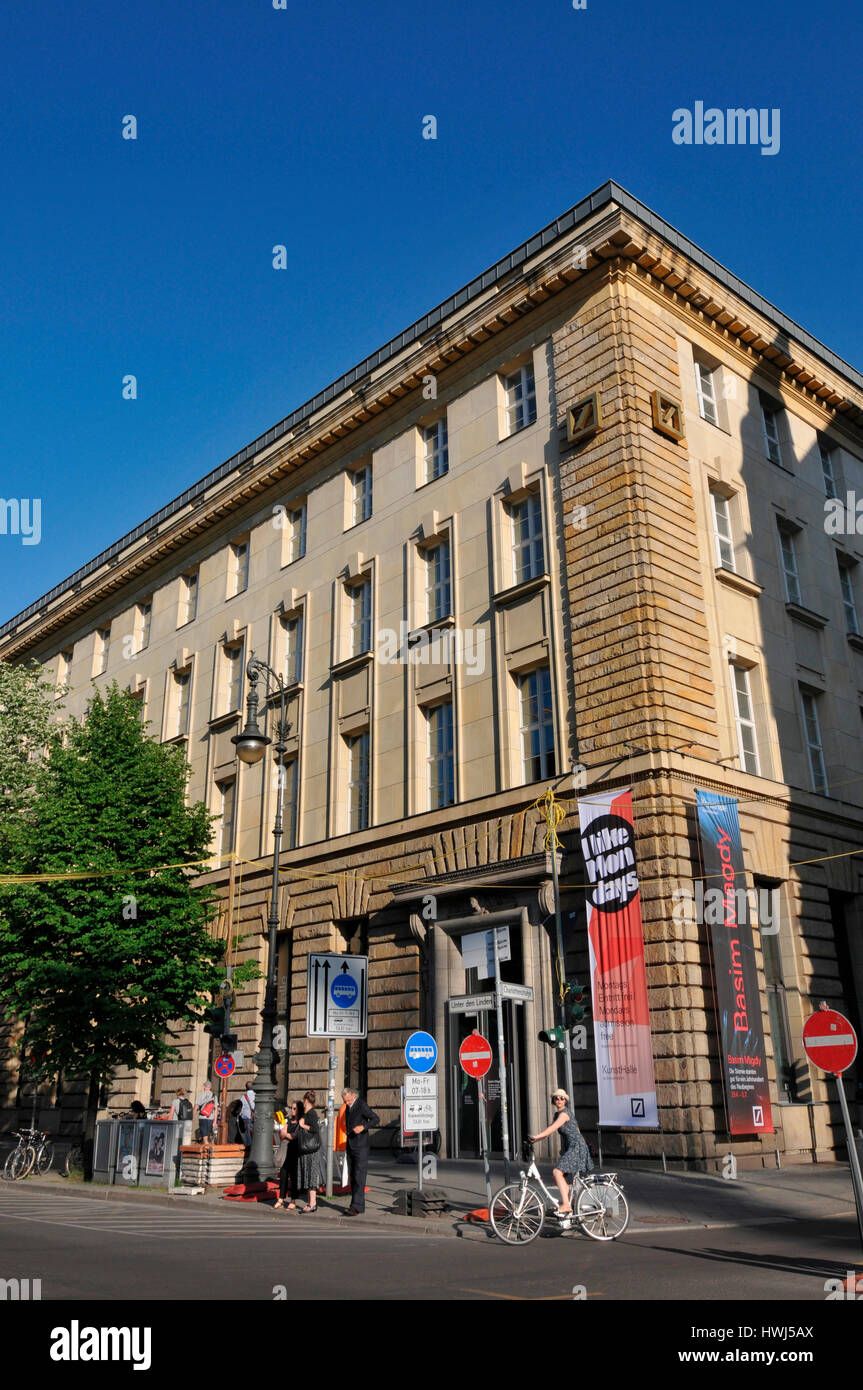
(84, 1249)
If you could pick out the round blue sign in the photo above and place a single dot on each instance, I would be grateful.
(420, 1052)
(344, 991)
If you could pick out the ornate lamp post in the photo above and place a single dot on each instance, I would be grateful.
(251, 745)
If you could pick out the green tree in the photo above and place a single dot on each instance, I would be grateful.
(28, 727)
(100, 967)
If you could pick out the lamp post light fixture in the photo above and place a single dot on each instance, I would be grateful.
(251, 745)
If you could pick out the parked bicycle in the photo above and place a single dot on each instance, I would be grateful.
(402, 1143)
(72, 1163)
(518, 1211)
(34, 1152)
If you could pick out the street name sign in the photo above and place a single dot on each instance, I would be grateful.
(337, 996)
(470, 1003)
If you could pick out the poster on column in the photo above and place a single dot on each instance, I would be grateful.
(741, 1033)
(621, 1019)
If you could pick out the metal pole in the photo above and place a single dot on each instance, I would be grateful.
(501, 1056)
(331, 1097)
(853, 1157)
(483, 1139)
(567, 1052)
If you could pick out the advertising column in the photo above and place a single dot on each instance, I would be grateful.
(624, 1055)
(741, 1034)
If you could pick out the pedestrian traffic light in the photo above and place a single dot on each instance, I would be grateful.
(577, 1002)
(555, 1037)
(216, 1018)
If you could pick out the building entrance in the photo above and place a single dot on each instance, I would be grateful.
(464, 1111)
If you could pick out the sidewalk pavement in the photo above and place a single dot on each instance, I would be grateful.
(657, 1201)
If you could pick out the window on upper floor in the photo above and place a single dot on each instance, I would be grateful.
(181, 686)
(744, 719)
(814, 746)
(361, 488)
(359, 786)
(296, 533)
(537, 724)
(188, 598)
(360, 596)
(520, 392)
(226, 808)
(64, 666)
(528, 551)
(435, 449)
(770, 417)
(705, 386)
(438, 585)
(849, 600)
(145, 616)
(103, 648)
(239, 571)
(441, 756)
(293, 672)
(790, 570)
(232, 677)
(828, 472)
(723, 536)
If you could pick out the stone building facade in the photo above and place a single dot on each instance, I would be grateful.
(575, 518)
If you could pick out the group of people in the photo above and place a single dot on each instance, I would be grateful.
(301, 1159)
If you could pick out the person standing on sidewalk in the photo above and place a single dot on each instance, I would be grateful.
(207, 1112)
(359, 1119)
(247, 1115)
(310, 1168)
(289, 1156)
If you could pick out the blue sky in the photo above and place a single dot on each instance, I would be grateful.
(303, 126)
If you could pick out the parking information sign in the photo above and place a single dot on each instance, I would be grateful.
(419, 1103)
(337, 996)
(421, 1052)
(225, 1065)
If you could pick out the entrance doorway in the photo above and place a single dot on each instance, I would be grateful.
(464, 1110)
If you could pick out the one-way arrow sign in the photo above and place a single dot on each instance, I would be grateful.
(337, 996)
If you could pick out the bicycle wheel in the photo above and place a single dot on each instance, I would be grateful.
(602, 1210)
(19, 1162)
(517, 1214)
(73, 1162)
(44, 1158)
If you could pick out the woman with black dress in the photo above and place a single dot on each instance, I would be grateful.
(310, 1169)
(290, 1158)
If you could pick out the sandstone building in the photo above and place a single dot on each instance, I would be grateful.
(572, 518)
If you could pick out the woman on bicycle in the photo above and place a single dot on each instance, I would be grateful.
(575, 1156)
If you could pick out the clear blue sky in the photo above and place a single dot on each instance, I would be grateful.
(303, 126)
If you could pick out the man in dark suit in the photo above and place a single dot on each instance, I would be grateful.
(359, 1119)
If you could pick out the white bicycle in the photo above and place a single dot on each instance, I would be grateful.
(518, 1211)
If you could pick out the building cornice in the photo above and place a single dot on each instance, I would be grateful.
(617, 231)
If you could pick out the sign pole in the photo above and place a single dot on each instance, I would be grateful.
(331, 1096)
(501, 1057)
(483, 1139)
(853, 1156)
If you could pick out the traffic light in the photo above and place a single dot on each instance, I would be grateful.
(555, 1037)
(577, 1003)
(216, 1018)
(229, 1042)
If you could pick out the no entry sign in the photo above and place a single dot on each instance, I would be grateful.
(475, 1055)
(829, 1041)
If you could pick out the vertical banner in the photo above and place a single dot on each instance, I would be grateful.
(741, 1034)
(621, 1019)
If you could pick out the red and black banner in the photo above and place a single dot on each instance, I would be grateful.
(744, 1064)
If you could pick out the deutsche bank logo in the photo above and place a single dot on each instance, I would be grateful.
(344, 991)
(758, 1114)
(637, 1104)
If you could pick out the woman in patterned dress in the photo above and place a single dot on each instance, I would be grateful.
(575, 1155)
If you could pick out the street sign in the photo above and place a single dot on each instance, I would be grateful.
(337, 996)
(225, 1065)
(421, 1052)
(477, 951)
(420, 1087)
(522, 994)
(419, 1114)
(475, 1055)
(829, 1041)
(470, 1003)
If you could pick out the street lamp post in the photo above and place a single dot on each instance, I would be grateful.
(251, 746)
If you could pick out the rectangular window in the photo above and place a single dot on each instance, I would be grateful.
(188, 598)
(441, 762)
(358, 781)
(776, 1002)
(233, 683)
(788, 551)
(182, 686)
(64, 666)
(145, 614)
(227, 811)
(814, 747)
(537, 725)
(297, 534)
(747, 742)
(722, 533)
(827, 470)
(103, 646)
(361, 617)
(435, 450)
(361, 483)
(294, 650)
(770, 421)
(527, 546)
(290, 803)
(520, 389)
(706, 388)
(846, 583)
(239, 567)
(438, 589)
